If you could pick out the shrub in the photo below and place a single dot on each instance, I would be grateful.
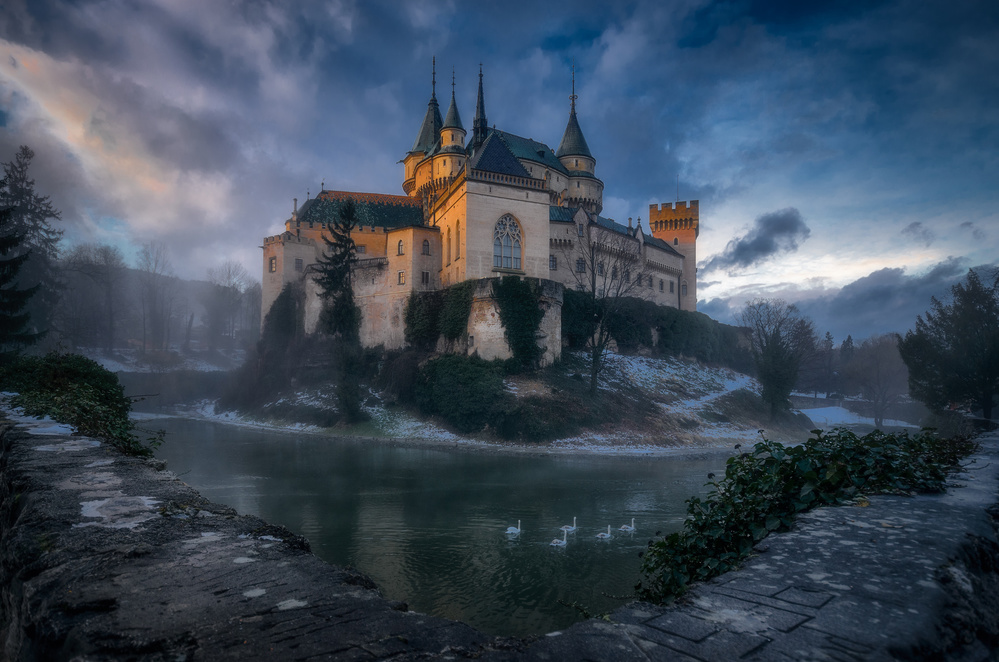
(75, 390)
(764, 489)
(467, 392)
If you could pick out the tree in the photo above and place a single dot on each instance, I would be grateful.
(340, 316)
(607, 267)
(227, 284)
(105, 267)
(953, 353)
(780, 339)
(154, 293)
(13, 299)
(878, 371)
(31, 218)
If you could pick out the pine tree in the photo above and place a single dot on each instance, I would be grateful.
(13, 319)
(31, 218)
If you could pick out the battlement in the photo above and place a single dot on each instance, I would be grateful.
(287, 238)
(666, 211)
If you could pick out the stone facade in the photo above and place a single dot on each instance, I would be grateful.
(494, 205)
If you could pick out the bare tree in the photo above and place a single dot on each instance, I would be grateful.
(781, 339)
(606, 266)
(878, 370)
(105, 267)
(154, 284)
(227, 283)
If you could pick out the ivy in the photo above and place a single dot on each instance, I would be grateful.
(423, 311)
(521, 316)
(763, 490)
(456, 309)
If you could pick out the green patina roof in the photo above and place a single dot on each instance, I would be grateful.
(531, 150)
(562, 214)
(430, 130)
(495, 156)
(573, 143)
(373, 209)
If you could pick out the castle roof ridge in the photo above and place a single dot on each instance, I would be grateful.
(371, 198)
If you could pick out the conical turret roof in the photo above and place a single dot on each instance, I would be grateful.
(430, 130)
(573, 143)
(453, 120)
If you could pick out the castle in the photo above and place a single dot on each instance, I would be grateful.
(483, 207)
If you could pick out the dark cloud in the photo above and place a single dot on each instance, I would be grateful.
(919, 232)
(772, 234)
(977, 233)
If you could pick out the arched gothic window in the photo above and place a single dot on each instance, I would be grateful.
(457, 241)
(401, 250)
(448, 248)
(506, 243)
(426, 247)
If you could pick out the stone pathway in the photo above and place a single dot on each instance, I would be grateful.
(104, 558)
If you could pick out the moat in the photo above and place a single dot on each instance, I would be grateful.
(427, 524)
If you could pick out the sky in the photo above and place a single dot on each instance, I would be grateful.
(845, 153)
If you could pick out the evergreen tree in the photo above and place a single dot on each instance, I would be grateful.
(31, 218)
(953, 354)
(13, 318)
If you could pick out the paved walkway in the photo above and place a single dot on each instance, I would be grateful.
(106, 558)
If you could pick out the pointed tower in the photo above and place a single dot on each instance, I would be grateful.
(452, 132)
(479, 125)
(584, 189)
(427, 137)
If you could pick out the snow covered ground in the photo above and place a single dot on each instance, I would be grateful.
(131, 360)
(829, 417)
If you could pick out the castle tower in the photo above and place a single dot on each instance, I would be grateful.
(679, 226)
(584, 189)
(426, 139)
(479, 125)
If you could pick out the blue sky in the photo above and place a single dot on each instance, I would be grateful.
(845, 154)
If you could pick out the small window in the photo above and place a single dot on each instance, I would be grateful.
(552, 263)
(600, 268)
(676, 242)
(272, 265)
(683, 289)
(402, 277)
(457, 242)
(576, 161)
(362, 249)
(447, 248)
(671, 290)
(614, 272)
(577, 184)
(299, 264)
(402, 251)
(662, 287)
(580, 266)
(425, 277)
(650, 282)
(426, 247)
(579, 229)
(627, 276)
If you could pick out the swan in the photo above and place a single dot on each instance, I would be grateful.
(513, 530)
(569, 529)
(560, 543)
(605, 536)
(629, 529)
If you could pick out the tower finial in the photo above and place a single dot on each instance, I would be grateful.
(433, 82)
(572, 97)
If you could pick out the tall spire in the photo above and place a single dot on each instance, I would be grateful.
(431, 128)
(573, 143)
(452, 120)
(479, 125)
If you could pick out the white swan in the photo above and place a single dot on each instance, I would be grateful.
(513, 530)
(569, 529)
(629, 529)
(605, 536)
(560, 543)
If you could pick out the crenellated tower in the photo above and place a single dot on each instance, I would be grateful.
(679, 226)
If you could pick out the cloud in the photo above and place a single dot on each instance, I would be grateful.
(772, 234)
(919, 232)
(977, 233)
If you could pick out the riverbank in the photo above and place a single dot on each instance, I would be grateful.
(108, 557)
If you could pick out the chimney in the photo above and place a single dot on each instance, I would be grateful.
(294, 209)
(629, 222)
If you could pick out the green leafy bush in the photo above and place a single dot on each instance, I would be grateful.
(75, 390)
(465, 391)
(764, 489)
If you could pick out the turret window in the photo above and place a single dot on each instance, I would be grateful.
(506, 243)
(402, 251)
(426, 247)
(676, 242)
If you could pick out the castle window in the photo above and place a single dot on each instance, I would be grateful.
(671, 287)
(614, 272)
(425, 278)
(552, 263)
(577, 184)
(299, 265)
(580, 266)
(401, 249)
(579, 229)
(600, 268)
(447, 248)
(506, 243)
(627, 276)
(272, 265)
(402, 277)
(457, 241)
(661, 285)
(683, 288)
(576, 166)
(362, 249)
(676, 242)
(426, 247)
(650, 282)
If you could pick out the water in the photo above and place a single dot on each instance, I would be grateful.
(428, 524)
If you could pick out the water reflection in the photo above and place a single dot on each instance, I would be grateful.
(428, 525)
